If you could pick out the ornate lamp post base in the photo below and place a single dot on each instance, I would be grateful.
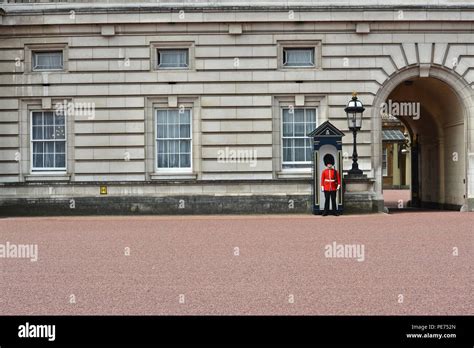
(355, 171)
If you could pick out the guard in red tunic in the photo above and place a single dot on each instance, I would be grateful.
(330, 183)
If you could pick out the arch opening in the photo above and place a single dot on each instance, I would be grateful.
(426, 168)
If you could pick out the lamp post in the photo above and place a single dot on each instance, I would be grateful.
(354, 111)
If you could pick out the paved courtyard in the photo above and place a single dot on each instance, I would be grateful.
(412, 263)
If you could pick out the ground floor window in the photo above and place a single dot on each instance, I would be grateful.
(173, 139)
(48, 141)
(296, 145)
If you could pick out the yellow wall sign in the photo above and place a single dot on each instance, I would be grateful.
(103, 190)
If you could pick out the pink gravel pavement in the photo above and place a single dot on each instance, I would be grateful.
(396, 198)
(280, 258)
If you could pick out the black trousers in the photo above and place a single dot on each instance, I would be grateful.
(330, 195)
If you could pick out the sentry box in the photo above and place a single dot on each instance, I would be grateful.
(327, 140)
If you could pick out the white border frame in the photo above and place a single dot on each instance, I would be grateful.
(47, 170)
(281, 138)
(155, 147)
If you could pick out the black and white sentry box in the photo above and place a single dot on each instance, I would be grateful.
(327, 139)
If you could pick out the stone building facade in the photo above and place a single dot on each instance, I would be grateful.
(203, 107)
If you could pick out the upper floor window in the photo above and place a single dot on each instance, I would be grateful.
(174, 58)
(48, 140)
(298, 57)
(299, 54)
(47, 60)
(173, 139)
(296, 124)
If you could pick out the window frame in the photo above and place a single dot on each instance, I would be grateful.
(385, 154)
(316, 45)
(283, 163)
(33, 60)
(172, 45)
(31, 142)
(155, 132)
(158, 67)
(313, 56)
(33, 48)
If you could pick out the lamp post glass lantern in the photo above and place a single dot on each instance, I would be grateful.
(354, 111)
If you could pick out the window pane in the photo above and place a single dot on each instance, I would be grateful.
(176, 58)
(299, 142)
(162, 160)
(299, 56)
(49, 132)
(184, 117)
(173, 131)
(174, 160)
(184, 131)
(184, 146)
(49, 147)
(161, 116)
(47, 60)
(287, 154)
(287, 115)
(60, 132)
(173, 116)
(309, 151)
(48, 118)
(37, 132)
(60, 160)
(185, 161)
(288, 119)
(49, 160)
(60, 146)
(311, 116)
(59, 118)
(287, 129)
(299, 115)
(162, 146)
(162, 131)
(37, 118)
(38, 161)
(173, 146)
(299, 129)
(300, 154)
(38, 147)
(287, 150)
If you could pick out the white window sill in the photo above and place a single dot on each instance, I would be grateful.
(300, 68)
(295, 174)
(172, 68)
(47, 177)
(173, 176)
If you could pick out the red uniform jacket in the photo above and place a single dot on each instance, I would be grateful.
(330, 179)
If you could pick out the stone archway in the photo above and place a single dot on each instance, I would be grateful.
(447, 113)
